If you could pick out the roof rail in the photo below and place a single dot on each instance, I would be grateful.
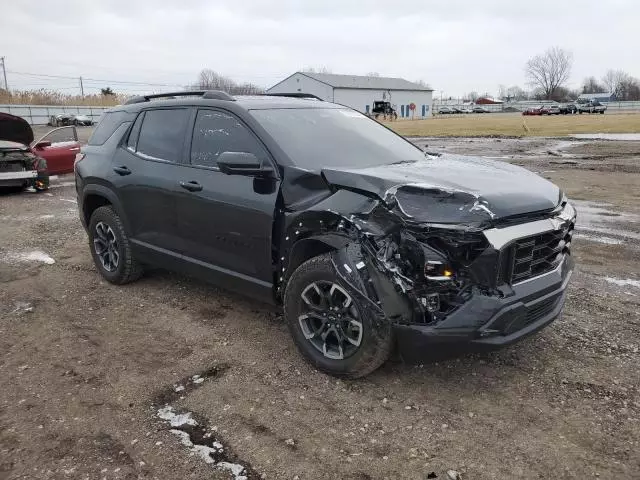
(294, 95)
(208, 94)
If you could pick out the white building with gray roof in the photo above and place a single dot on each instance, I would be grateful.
(359, 92)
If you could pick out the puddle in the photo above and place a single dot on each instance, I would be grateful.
(608, 136)
(603, 239)
(599, 223)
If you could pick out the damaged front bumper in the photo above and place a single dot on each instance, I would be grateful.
(17, 177)
(497, 321)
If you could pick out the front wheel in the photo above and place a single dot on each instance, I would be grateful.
(329, 326)
(110, 247)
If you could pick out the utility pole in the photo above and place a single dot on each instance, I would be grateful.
(4, 73)
(81, 88)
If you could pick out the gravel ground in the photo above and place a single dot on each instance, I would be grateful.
(87, 365)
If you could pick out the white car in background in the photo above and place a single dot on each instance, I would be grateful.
(81, 120)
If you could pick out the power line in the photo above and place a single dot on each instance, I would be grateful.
(123, 82)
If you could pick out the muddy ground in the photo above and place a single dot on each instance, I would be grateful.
(86, 366)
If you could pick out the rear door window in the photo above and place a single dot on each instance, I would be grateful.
(216, 132)
(162, 134)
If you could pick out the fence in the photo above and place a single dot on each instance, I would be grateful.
(40, 114)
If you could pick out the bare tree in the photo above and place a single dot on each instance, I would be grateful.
(472, 96)
(516, 93)
(210, 80)
(615, 81)
(323, 69)
(591, 85)
(422, 83)
(622, 85)
(549, 71)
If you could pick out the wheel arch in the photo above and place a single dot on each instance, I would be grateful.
(96, 196)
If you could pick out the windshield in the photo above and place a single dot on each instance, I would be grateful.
(316, 138)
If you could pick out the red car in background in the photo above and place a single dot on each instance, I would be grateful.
(533, 111)
(28, 163)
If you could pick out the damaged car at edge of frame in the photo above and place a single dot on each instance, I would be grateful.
(372, 243)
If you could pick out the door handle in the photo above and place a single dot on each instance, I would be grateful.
(123, 170)
(192, 186)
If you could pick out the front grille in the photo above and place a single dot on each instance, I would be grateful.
(541, 309)
(535, 255)
(11, 167)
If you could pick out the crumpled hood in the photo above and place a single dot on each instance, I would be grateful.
(15, 129)
(452, 188)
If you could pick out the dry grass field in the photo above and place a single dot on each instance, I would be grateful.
(51, 97)
(510, 124)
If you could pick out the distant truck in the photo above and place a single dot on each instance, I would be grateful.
(590, 106)
(385, 109)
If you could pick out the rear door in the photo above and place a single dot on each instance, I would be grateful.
(145, 173)
(61, 152)
(224, 220)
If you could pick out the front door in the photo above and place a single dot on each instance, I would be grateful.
(59, 148)
(226, 221)
(145, 175)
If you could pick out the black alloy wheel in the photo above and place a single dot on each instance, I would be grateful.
(105, 245)
(329, 320)
(110, 247)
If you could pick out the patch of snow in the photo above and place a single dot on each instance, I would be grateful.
(62, 184)
(235, 469)
(185, 439)
(176, 419)
(71, 200)
(198, 380)
(22, 307)
(35, 256)
(45, 217)
(205, 452)
(623, 282)
(178, 388)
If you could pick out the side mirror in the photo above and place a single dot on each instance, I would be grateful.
(243, 163)
(43, 144)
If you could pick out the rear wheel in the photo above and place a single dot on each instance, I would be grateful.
(110, 247)
(329, 326)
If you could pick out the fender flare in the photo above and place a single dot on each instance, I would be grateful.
(110, 195)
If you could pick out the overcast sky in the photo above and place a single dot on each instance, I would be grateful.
(454, 45)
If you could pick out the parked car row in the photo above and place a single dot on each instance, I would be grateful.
(452, 110)
(67, 119)
(566, 108)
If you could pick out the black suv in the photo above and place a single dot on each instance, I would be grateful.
(363, 238)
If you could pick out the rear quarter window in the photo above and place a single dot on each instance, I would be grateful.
(109, 123)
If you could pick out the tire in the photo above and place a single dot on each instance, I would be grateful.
(125, 268)
(374, 342)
